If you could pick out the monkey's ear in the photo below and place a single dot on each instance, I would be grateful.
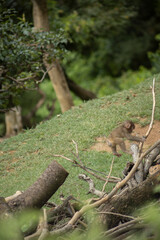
(127, 125)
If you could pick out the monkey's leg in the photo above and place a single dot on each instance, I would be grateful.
(123, 147)
(112, 145)
(114, 150)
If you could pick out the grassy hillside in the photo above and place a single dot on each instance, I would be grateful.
(24, 157)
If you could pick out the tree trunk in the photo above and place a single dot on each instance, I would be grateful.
(13, 121)
(39, 193)
(40, 18)
(60, 86)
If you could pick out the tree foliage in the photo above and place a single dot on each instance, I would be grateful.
(109, 38)
(112, 36)
(113, 44)
(21, 56)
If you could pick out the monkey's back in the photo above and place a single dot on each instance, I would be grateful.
(118, 132)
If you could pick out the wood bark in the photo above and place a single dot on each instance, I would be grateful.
(13, 121)
(60, 86)
(127, 202)
(150, 159)
(40, 18)
(139, 173)
(4, 208)
(39, 193)
(40, 15)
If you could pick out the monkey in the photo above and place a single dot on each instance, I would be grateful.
(120, 133)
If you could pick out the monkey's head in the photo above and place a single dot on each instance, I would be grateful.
(129, 125)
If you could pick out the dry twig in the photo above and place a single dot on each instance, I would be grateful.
(91, 185)
(108, 175)
(45, 231)
(118, 214)
(152, 116)
(88, 170)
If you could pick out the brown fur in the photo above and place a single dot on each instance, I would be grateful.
(120, 133)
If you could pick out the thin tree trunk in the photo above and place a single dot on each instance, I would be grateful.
(60, 86)
(13, 121)
(40, 18)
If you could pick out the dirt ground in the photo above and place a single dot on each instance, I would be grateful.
(154, 136)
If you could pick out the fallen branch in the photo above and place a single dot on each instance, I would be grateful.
(123, 228)
(139, 173)
(5, 210)
(67, 228)
(45, 231)
(118, 214)
(56, 214)
(88, 170)
(38, 194)
(7, 199)
(73, 212)
(91, 185)
(150, 158)
(112, 179)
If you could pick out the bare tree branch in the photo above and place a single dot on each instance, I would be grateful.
(118, 214)
(20, 80)
(152, 116)
(121, 228)
(112, 179)
(13, 196)
(92, 188)
(45, 231)
(153, 109)
(108, 175)
(45, 73)
(87, 169)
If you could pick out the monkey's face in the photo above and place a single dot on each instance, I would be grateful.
(129, 125)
